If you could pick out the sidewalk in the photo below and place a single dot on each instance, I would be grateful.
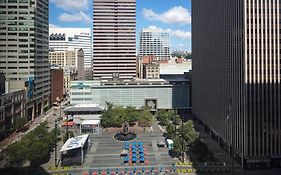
(18, 135)
(218, 152)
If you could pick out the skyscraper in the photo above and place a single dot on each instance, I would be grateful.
(62, 39)
(156, 43)
(237, 75)
(24, 50)
(114, 39)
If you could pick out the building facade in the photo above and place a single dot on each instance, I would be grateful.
(114, 39)
(157, 94)
(72, 59)
(56, 85)
(24, 29)
(151, 71)
(156, 43)
(175, 68)
(68, 76)
(236, 76)
(2, 83)
(62, 39)
(12, 109)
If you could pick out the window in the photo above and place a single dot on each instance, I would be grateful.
(23, 1)
(12, 29)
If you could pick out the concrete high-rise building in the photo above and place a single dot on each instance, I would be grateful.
(24, 51)
(156, 43)
(62, 39)
(237, 76)
(114, 39)
(72, 59)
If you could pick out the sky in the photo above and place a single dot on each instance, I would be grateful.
(173, 16)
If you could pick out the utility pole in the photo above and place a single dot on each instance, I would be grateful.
(175, 123)
(66, 127)
(182, 143)
(56, 143)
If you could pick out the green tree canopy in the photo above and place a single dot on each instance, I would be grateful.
(146, 118)
(183, 136)
(35, 147)
(115, 116)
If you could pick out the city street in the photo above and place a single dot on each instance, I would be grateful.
(50, 116)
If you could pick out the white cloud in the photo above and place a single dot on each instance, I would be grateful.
(175, 15)
(186, 35)
(72, 5)
(53, 26)
(180, 45)
(75, 17)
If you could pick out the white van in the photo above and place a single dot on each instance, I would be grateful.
(170, 143)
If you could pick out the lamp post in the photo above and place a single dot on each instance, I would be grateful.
(82, 153)
(56, 143)
(182, 142)
(175, 122)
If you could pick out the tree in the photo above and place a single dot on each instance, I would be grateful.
(16, 154)
(176, 119)
(132, 114)
(163, 117)
(170, 129)
(35, 147)
(188, 132)
(114, 116)
(38, 153)
(184, 137)
(146, 118)
(108, 105)
(20, 122)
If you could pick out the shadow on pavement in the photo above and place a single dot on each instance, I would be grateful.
(24, 171)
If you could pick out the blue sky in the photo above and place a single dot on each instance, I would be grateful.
(166, 15)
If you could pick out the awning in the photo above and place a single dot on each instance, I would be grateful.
(68, 123)
(74, 142)
(90, 122)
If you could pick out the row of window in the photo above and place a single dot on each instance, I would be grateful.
(13, 7)
(31, 67)
(14, 1)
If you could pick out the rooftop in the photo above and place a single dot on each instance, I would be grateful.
(74, 142)
(84, 108)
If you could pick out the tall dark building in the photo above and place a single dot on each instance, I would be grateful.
(237, 74)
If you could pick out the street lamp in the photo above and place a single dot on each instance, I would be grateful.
(56, 143)
(82, 153)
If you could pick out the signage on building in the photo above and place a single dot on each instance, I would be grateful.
(80, 86)
(151, 103)
(29, 84)
(75, 142)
